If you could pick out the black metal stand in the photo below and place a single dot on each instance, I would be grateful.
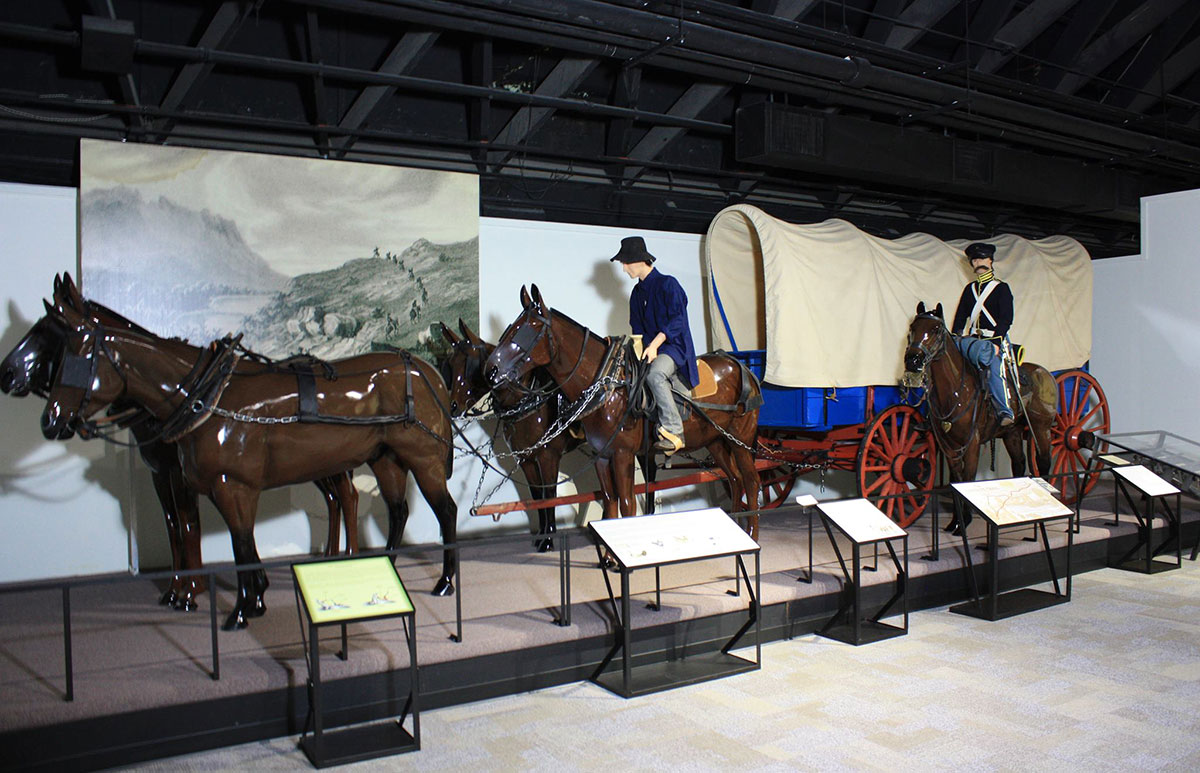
(995, 605)
(325, 748)
(848, 623)
(361, 742)
(1148, 563)
(631, 679)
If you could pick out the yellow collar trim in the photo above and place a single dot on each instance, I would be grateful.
(983, 279)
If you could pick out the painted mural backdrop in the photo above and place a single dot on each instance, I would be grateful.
(301, 255)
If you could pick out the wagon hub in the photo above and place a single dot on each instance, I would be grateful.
(910, 469)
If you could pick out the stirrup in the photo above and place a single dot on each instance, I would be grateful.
(668, 442)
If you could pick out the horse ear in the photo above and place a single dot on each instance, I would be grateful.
(73, 295)
(537, 297)
(447, 333)
(526, 301)
(920, 307)
(938, 311)
(468, 334)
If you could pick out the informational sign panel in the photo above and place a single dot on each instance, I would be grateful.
(861, 521)
(1012, 500)
(1146, 481)
(672, 537)
(351, 589)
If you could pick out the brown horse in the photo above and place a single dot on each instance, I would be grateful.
(961, 413)
(29, 367)
(596, 379)
(523, 420)
(240, 434)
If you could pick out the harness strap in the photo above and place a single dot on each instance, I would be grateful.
(306, 385)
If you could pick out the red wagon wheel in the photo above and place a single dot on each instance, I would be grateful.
(1082, 409)
(776, 484)
(898, 456)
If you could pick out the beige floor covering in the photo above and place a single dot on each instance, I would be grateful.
(1110, 681)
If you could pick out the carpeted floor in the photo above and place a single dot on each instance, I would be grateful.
(1107, 682)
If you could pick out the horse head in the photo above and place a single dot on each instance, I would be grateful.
(926, 338)
(31, 365)
(82, 385)
(525, 345)
(464, 368)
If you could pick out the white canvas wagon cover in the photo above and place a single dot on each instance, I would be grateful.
(832, 305)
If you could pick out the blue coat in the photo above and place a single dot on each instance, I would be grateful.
(658, 304)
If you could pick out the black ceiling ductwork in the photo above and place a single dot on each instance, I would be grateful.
(903, 117)
(776, 135)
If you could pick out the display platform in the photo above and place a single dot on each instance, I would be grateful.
(143, 686)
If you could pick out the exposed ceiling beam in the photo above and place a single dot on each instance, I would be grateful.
(401, 59)
(792, 10)
(1022, 30)
(564, 78)
(883, 20)
(916, 20)
(312, 31)
(983, 28)
(1174, 73)
(693, 102)
(221, 29)
(1143, 71)
(1112, 44)
(1081, 26)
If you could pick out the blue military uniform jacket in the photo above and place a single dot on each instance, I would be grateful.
(658, 304)
(996, 315)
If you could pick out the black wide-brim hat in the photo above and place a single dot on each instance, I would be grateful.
(633, 250)
(981, 250)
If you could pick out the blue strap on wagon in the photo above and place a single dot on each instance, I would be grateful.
(721, 308)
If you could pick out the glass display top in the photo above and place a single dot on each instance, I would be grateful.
(1171, 450)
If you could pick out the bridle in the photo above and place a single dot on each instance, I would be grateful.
(525, 338)
(476, 355)
(81, 371)
(936, 351)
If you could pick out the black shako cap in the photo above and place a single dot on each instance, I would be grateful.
(981, 250)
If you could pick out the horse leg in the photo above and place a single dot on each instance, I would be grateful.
(238, 505)
(166, 498)
(333, 538)
(966, 471)
(720, 454)
(1014, 443)
(622, 475)
(608, 494)
(347, 496)
(393, 486)
(744, 460)
(542, 486)
(187, 505)
(431, 480)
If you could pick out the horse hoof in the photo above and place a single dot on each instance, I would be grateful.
(185, 603)
(260, 609)
(608, 562)
(951, 527)
(444, 587)
(169, 598)
(235, 622)
(544, 545)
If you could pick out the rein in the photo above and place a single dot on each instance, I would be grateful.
(942, 424)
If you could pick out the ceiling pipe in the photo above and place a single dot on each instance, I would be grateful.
(567, 19)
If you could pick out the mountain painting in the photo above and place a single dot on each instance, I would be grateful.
(299, 255)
